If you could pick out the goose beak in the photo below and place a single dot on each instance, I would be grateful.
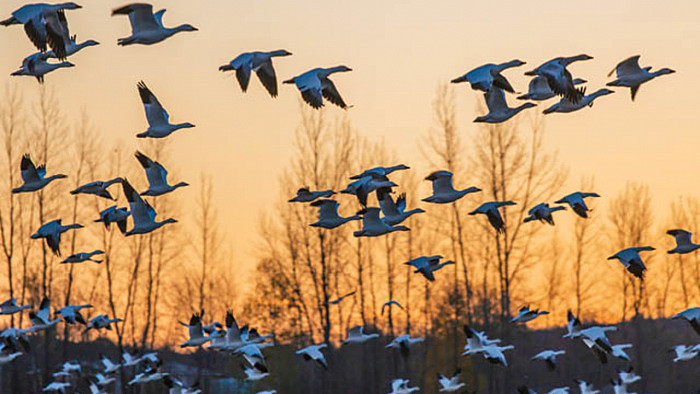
(289, 81)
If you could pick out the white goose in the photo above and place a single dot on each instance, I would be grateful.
(304, 194)
(71, 313)
(36, 66)
(597, 335)
(34, 177)
(142, 214)
(253, 355)
(373, 226)
(499, 111)
(57, 387)
(576, 202)
(362, 187)
(400, 386)
(394, 212)
(628, 377)
(44, 24)
(129, 360)
(685, 353)
(573, 326)
(684, 243)
(82, 257)
(559, 78)
(328, 217)
(549, 357)
(490, 209)
(147, 28)
(313, 353)
(619, 351)
(443, 190)
(15, 338)
(381, 171)
(476, 341)
(357, 335)
(494, 354)
(254, 374)
(630, 259)
(261, 63)
(630, 75)
(543, 213)
(426, 265)
(404, 343)
(485, 77)
(525, 314)
(450, 385)
(110, 367)
(114, 215)
(10, 307)
(196, 335)
(314, 86)
(147, 376)
(7, 357)
(97, 188)
(565, 105)
(692, 315)
(103, 381)
(158, 119)
(41, 320)
(72, 46)
(101, 321)
(157, 177)
(539, 89)
(51, 232)
(586, 388)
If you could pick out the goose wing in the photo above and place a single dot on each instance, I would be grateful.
(140, 16)
(330, 93)
(386, 203)
(195, 326)
(682, 236)
(155, 113)
(266, 74)
(155, 172)
(44, 312)
(57, 34)
(496, 100)
(629, 66)
(36, 31)
(243, 65)
(141, 211)
(29, 171)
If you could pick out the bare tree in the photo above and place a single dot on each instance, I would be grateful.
(584, 240)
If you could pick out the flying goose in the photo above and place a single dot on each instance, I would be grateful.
(158, 119)
(573, 326)
(41, 320)
(630, 75)
(404, 343)
(97, 188)
(628, 377)
(101, 321)
(586, 388)
(313, 352)
(575, 201)
(450, 385)
(390, 304)
(147, 376)
(539, 89)
(10, 307)
(485, 77)
(82, 257)
(559, 78)
(476, 341)
(549, 357)
(692, 315)
(146, 27)
(57, 387)
(494, 354)
(51, 232)
(71, 313)
(7, 357)
(684, 244)
(72, 367)
(630, 259)
(261, 63)
(157, 177)
(34, 177)
(72, 46)
(328, 217)
(443, 191)
(362, 187)
(400, 386)
(565, 105)
(314, 86)
(619, 351)
(685, 353)
(490, 209)
(426, 265)
(142, 214)
(373, 226)
(253, 355)
(197, 337)
(394, 212)
(525, 314)
(596, 334)
(114, 215)
(306, 195)
(103, 381)
(499, 111)
(543, 213)
(15, 339)
(36, 66)
(341, 298)
(357, 335)
(254, 374)
(110, 367)
(380, 171)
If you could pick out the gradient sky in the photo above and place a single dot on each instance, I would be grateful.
(399, 52)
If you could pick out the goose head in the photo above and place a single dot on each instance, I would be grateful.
(181, 184)
(186, 125)
(185, 27)
(524, 106)
(70, 6)
(663, 71)
(290, 81)
(89, 43)
(568, 60)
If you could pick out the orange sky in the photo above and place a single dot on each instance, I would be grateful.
(399, 51)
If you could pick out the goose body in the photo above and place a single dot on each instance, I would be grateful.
(101, 321)
(631, 260)
(157, 177)
(313, 353)
(559, 78)
(357, 335)
(598, 336)
(427, 265)
(628, 377)
(15, 339)
(363, 186)
(36, 66)
(373, 226)
(476, 341)
(306, 195)
(692, 315)
(41, 319)
(142, 214)
(10, 307)
(254, 374)
(103, 381)
(6, 358)
(315, 85)
(539, 89)
(196, 335)
(565, 105)
(57, 387)
(490, 209)
(619, 351)
(543, 213)
(380, 171)
(258, 62)
(499, 111)
(487, 76)
(158, 119)
(450, 385)
(82, 257)
(51, 232)
(150, 375)
(110, 367)
(404, 343)
(34, 177)
(394, 212)
(443, 190)
(400, 386)
(328, 217)
(525, 314)
(71, 313)
(97, 188)
(72, 47)
(146, 27)
(684, 243)
(586, 388)
(686, 353)
(549, 357)
(114, 215)
(576, 202)
(630, 75)
(494, 354)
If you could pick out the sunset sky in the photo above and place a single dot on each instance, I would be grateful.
(400, 51)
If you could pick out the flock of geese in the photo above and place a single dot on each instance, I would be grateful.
(46, 26)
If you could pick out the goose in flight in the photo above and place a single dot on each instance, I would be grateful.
(485, 77)
(146, 27)
(394, 212)
(252, 353)
(71, 313)
(41, 320)
(341, 298)
(129, 360)
(97, 188)
(630, 259)
(380, 171)
(15, 338)
(57, 387)
(147, 376)
(586, 388)
(390, 304)
(304, 194)
(404, 343)
(400, 386)
(72, 47)
(684, 244)
(8, 356)
(630, 75)
(157, 177)
(549, 357)
(494, 354)
(10, 307)
(158, 119)
(51, 232)
(82, 257)
(197, 337)
(114, 215)
(450, 385)
(103, 381)
(499, 111)
(573, 325)
(576, 202)
(628, 377)
(315, 85)
(685, 353)
(539, 89)
(525, 314)
(490, 209)
(254, 374)
(261, 63)
(362, 187)
(313, 353)
(357, 335)
(565, 105)
(476, 341)
(101, 321)
(142, 213)
(328, 217)
(559, 78)
(426, 265)
(443, 190)
(36, 66)
(373, 226)
(34, 177)
(619, 351)
(543, 213)
(692, 315)
(598, 336)
(110, 367)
